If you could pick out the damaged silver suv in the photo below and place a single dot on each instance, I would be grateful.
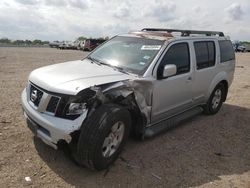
(142, 83)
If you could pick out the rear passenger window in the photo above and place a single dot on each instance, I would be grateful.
(177, 54)
(226, 51)
(205, 54)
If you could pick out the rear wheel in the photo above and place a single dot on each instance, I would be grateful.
(215, 100)
(103, 137)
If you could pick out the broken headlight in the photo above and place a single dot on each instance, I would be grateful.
(76, 108)
(71, 107)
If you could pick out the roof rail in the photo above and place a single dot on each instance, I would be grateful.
(185, 33)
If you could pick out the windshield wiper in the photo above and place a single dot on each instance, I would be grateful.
(120, 69)
(93, 60)
(99, 62)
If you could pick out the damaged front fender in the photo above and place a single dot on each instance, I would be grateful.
(135, 95)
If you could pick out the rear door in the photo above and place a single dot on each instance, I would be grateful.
(205, 68)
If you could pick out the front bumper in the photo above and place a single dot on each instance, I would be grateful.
(48, 128)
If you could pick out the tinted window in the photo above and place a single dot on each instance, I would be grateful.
(226, 50)
(205, 54)
(178, 54)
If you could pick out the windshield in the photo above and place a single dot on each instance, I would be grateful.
(130, 54)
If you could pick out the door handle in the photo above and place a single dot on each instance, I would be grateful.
(189, 79)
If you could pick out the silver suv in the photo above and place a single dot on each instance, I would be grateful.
(143, 83)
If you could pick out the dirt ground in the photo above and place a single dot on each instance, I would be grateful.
(206, 151)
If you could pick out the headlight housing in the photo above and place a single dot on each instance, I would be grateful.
(76, 108)
(71, 107)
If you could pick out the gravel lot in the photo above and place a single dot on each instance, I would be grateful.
(206, 151)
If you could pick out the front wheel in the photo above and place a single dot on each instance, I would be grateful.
(103, 137)
(215, 100)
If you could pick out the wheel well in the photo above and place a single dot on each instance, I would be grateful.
(138, 123)
(225, 84)
(138, 119)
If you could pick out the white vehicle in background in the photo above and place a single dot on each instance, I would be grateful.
(54, 44)
(241, 48)
(238, 47)
(66, 45)
(76, 45)
(81, 45)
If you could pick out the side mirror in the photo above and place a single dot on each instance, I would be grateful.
(169, 70)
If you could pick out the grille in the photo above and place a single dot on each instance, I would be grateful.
(53, 104)
(35, 95)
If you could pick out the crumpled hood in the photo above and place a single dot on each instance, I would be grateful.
(72, 77)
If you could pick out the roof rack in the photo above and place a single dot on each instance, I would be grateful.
(185, 33)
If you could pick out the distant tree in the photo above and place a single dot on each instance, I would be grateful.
(103, 38)
(245, 42)
(23, 42)
(18, 42)
(28, 42)
(82, 38)
(37, 42)
(5, 40)
(45, 42)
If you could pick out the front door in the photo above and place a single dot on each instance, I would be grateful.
(173, 95)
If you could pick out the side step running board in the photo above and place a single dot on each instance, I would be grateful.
(171, 122)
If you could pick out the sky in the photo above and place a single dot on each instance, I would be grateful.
(68, 19)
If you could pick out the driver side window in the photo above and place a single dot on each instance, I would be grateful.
(177, 54)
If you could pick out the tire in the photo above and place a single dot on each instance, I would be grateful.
(93, 148)
(215, 100)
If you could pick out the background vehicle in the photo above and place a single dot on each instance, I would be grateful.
(81, 45)
(54, 44)
(238, 47)
(91, 44)
(66, 45)
(76, 45)
(144, 82)
(241, 49)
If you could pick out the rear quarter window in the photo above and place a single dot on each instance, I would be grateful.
(226, 51)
